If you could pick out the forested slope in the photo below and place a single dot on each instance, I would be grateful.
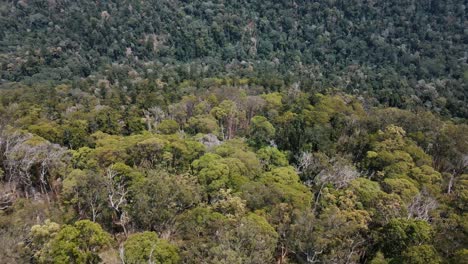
(403, 52)
(233, 131)
(229, 174)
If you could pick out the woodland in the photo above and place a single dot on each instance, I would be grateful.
(240, 131)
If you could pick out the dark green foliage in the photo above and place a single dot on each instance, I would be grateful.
(222, 131)
(401, 234)
(412, 57)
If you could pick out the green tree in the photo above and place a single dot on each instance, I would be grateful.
(251, 240)
(261, 131)
(168, 127)
(271, 157)
(421, 254)
(107, 121)
(227, 114)
(85, 192)
(77, 243)
(157, 199)
(146, 247)
(401, 234)
(202, 124)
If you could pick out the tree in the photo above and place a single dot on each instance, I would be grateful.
(227, 114)
(198, 229)
(338, 234)
(75, 134)
(251, 240)
(48, 130)
(202, 124)
(118, 179)
(159, 198)
(77, 243)
(85, 191)
(401, 234)
(421, 254)
(149, 152)
(107, 121)
(168, 127)
(146, 247)
(261, 131)
(285, 184)
(271, 157)
(31, 162)
(449, 152)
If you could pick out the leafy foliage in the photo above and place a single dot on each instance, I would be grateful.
(207, 132)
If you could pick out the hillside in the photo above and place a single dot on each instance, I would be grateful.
(402, 52)
(219, 132)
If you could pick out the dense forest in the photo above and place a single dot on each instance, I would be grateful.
(402, 53)
(241, 131)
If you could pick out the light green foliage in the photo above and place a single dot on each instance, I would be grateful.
(229, 167)
(422, 254)
(149, 152)
(168, 127)
(261, 131)
(48, 130)
(212, 172)
(40, 237)
(426, 176)
(334, 233)
(124, 173)
(75, 134)
(273, 103)
(83, 158)
(381, 205)
(403, 187)
(202, 124)
(85, 191)
(285, 183)
(228, 204)
(184, 151)
(77, 243)
(146, 247)
(401, 164)
(228, 116)
(367, 191)
(109, 149)
(225, 109)
(237, 149)
(271, 157)
(92, 76)
(379, 259)
(339, 183)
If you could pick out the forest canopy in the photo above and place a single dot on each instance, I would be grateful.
(401, 53)
(248, 131)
